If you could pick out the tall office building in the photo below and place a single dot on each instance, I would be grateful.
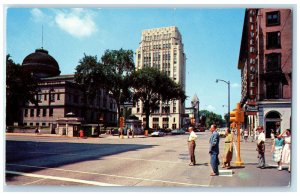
(162, 48)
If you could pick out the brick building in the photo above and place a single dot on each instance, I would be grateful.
(59, 95)
(265, 62)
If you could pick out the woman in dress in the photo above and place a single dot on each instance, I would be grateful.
(277, 150)
(286, 152)
(228, 149)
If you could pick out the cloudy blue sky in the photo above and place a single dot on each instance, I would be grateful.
(211, 40)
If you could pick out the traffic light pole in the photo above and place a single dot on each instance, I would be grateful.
(238, 161)
(237, 116)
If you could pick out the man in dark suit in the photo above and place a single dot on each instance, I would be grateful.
(214, 150)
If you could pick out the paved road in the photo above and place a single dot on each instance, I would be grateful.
(138, 162)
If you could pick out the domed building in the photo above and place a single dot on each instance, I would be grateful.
(59, 95)
(41, 64)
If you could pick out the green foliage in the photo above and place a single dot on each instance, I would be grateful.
(111, 74)
(211, 118)
(152, 86)
(21, 87)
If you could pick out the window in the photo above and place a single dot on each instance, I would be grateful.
(43, 124)
(44, 112)
(155, 119)
(31, 112)
(174, 109)
(39, 97)
(272, 18)
(273, 62)
(174, 126)
(272, 90)
(58, 96)
(165, 119)
(26, 112)
(273, 40)
(38, 112)
(50, 111)
(45, 97)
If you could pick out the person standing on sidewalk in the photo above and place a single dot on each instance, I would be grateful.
(214, 150)
(277, 150)
(192, 146)
(246, 133)
(228, 148)
(286, 152)
(261, 148)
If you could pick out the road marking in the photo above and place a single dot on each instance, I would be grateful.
(225, 173)
(33, 182)
(61, 178)
(111, 175)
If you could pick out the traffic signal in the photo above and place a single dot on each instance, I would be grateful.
(121, 122)
(237, 115)
(234, 116)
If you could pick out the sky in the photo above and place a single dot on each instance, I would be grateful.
(211, 38)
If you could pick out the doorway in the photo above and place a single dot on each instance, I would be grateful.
(271, 119)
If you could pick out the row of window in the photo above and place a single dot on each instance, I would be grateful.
(157, 37)
(38, 113)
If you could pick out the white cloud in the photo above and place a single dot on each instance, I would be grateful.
(210, 107)
(77, 22)
(38, 15)
(235, 85)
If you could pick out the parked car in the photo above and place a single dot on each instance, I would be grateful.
(221, 132)
(177, 132)
(157, 133)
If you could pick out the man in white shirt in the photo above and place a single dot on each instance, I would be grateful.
(261, 147)
(192, 146)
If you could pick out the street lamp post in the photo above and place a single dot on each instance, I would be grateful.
(228, 83)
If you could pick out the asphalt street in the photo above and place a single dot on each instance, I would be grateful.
(111, 162)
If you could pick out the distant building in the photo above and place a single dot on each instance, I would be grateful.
(265, 62)
(59, 95)
(162, 48)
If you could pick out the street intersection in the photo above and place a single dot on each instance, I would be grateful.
(142, 161)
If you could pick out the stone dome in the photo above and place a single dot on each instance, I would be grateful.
(41, 64)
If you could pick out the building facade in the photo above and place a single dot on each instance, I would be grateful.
(162, 48)
(265, 62)
(59, 96)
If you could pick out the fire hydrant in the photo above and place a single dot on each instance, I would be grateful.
(81, 133)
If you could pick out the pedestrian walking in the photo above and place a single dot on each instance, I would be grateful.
(228, 149)
(273, 134)
(278, 129)
(286, 152)
(36, 130)
(214, 150)
(261, 148)
(120, 130)
(277, 150)
(128, 132)
(192, 146)
(246, 134)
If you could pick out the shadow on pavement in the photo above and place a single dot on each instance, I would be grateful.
(56, 154)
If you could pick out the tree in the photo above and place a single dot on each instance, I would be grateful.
(119, 64)
(21, 87)
(211, 118)
(110, 74)
(152, 86)
(89, 75)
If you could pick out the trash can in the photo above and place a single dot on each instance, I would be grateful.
(146, 132)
